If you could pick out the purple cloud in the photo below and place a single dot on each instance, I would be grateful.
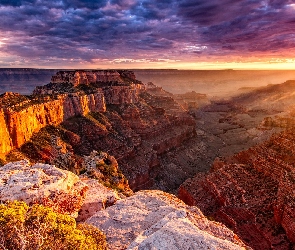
(101, 30)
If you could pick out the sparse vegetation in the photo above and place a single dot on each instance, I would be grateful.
(112, 177)
(38, 227)
(40, 140)
(106, 171)
(100, 117)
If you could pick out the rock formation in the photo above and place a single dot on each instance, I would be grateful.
(103, 111)
(6, 143)
(192, 100)
(43, 184)
(98, 197)
(101, 77)
(52, 104)
(65, 192)
(251, 192)
(157, 220)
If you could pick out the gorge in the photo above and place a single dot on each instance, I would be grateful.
(231, 158)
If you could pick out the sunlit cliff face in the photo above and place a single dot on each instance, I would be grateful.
(192, 34)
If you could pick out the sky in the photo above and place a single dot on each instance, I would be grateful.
(183, 34)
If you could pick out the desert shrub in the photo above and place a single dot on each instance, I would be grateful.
(38, 227)
(112, 177)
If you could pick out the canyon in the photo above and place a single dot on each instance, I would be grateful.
(251, 192)
(229, 159)
(98, 110)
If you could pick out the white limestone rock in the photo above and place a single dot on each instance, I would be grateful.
(98, 197)
(43, 184)
(157, 220)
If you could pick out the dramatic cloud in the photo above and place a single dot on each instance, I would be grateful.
(88, 31)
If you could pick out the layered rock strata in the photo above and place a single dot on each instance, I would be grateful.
(25, 118)
(139, 127)
(157, 220)
(52, 104)
(252, 193)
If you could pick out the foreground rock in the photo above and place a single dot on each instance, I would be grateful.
(97, 198)
(43, 184)
(60, 189)
(157, 220)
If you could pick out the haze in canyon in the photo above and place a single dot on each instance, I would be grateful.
(209, 150)
(136, 124)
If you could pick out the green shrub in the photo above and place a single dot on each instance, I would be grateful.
(38, 227)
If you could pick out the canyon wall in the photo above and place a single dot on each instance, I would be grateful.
(22, 116)
(5, 143)
(251, 192)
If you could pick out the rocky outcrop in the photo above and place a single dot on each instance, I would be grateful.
(251, 192)
(43, 184)
(87, 77)
(98, 197)
(122, 94)
(54, 103)
(23, 122)
(78, 104)
(192, 100)
(148, 219)
(284, 206)
(157, 220)
(67, 193)
(25, 118)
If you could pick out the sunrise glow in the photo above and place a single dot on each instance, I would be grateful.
(148, 34)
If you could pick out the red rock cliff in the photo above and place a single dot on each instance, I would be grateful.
(54, 103)
(5, 143)
(23, 120)
(252, 193)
